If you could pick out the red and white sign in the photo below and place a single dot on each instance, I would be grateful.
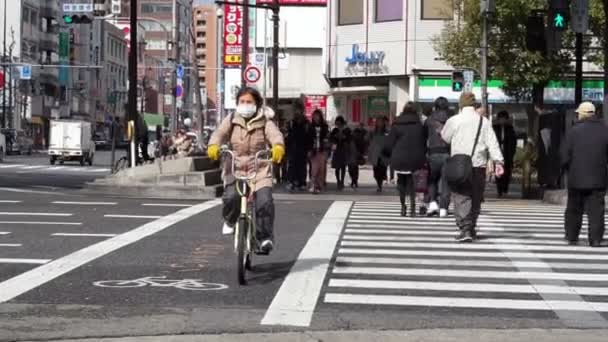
(252, 74)
(295, 2)
(314, 102)
(233, 34)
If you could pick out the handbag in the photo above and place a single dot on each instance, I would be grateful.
(459, 167)
(421, 178)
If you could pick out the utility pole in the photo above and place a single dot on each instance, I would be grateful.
(220, 70)
(245, 45)
(578, 80)
(487, 8)
(4, 69)
(275, 55)
(132, 94)
(176, 61)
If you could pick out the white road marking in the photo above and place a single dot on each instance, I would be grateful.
(449, 228)
(422, 272)
(466, 287)
(445, 232)
(39, 223)
(297, 298)
(9, 166)
(424, 239)
(480, 246)
(455, 302)
(482, 222)
(10, 201)
(97, 170)
(27, 191)
(23, 261)
(84, 235)
(5, 233)
(84, 203)
(169, 205)
(133, 216)
(29, 280)
(10, 245)
(33, 167)
(8, 213)
(492, 254)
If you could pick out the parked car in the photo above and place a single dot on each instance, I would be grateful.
(17, 142)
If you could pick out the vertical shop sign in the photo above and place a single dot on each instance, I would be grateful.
(314, 102)
(233, 35)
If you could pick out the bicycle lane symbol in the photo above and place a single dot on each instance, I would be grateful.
(183, 284)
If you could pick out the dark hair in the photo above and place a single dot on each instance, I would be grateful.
(257, 97)
(441, 103)
(503, 114)
(409, 109)
(427, 110)
(340, 119)
(381, 119)
(319, 113)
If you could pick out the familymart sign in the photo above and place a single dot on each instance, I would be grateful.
(556, 92)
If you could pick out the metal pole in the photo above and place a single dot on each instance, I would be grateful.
(4, 69)
(132, 95)
(484, 63)
(10, 90)
(173, 75)
(113, 132)
(218, 91)
(265, 55)
(275, 55)
(245, 45)
(578, 87)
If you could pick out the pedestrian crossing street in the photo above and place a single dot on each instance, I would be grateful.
(520, 263)
(50, 169)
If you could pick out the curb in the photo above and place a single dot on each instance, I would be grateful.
(155, 191)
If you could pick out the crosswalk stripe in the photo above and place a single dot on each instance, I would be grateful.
(467, 287)
(493, 254)
(352, 230)
(452, 228)
(367, 219)
(484, 303)
(351, 237)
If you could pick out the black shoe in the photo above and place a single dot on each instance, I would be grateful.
(572, 242)
(474, 235)
(598, 243)
(422, 211)
(403, 211)
(464, 236)
(266, 247)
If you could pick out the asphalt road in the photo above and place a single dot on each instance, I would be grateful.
(75, 266)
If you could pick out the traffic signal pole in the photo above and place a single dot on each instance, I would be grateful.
(132, 94)
(578, 81)
(275, 56)
(484, 61)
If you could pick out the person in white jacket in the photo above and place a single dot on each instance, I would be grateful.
(460, 131)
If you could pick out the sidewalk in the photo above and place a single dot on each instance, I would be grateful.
(436, 335)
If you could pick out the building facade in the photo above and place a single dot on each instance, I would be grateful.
(205, 31)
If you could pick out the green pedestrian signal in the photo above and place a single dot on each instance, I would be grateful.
(457, 81)
(559, 21)
(68, 19)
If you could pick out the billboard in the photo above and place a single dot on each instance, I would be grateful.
(295, 2)
(233, 35)
(314, 102)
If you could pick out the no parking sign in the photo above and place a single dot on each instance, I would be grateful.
(252, 74)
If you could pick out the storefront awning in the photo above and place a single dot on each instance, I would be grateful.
(360, 89)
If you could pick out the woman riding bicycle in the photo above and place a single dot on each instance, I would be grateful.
(249, 131)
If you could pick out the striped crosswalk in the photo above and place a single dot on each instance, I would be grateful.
(49, 169)
(521, 262)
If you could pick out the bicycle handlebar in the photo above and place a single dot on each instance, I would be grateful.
(225, 150)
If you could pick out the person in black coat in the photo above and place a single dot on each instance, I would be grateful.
(297, 151)
(341, 139)
(505, 133)
(585, 157)
(406, 144)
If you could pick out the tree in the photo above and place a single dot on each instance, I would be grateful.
(521, 71)
(598, 12)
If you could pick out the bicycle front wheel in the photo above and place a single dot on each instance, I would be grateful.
(241, 252)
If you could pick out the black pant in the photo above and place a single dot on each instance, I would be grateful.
(467, 200)
(340, 174)
(591, 201)
(380, 173)
(502, 183)
(353, 172)
(264, 210)
(438, 190)
(297, 170)
(405, 184)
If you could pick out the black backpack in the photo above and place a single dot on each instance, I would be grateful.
(459, 167)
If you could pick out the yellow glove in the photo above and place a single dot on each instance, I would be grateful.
(213, 151)
(278, 152)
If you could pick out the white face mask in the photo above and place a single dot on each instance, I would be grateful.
(246, 110)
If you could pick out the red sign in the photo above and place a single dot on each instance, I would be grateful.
(314, 102)
(233, 34)
(2, 80)
(295, 2)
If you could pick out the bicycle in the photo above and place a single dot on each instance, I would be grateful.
(245, 242)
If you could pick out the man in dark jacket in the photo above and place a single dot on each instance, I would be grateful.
(297, 151)
(439, 152)
(505, 133)
(585, 157)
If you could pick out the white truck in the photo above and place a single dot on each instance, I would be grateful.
(71, 140)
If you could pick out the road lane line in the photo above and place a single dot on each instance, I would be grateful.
(97, 170)
(465, 287)
(295, 302)
(170, 205)
(10, 245)
(84, 235)
(133, 216)
(8, 213)
(456, 302)
(5, 233)
(32, 279)
(23, 261)
(28, 191)
(9, 166)
(84, 203)
(10, 201)
(39, 223)
(490, 254)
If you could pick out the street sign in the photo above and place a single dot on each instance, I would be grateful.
(80, 7)
(469, 78)
(26, 72)
(233, 34)
(580, 16)
(179, 71)
(252, 74)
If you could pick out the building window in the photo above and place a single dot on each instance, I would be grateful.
(437, 9)
(389, 10)
(203, 56)
(26, 14)
(34, 19)
(350, 12)
(201, 22)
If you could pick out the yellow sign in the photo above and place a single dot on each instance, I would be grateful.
(232, 59)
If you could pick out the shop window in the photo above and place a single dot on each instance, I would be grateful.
(437, 9)
(389, 10)
(350, 12)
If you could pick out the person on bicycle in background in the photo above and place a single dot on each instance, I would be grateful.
(249, 131)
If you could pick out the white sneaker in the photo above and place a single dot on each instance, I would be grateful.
(443, 213)
(433, 208)
(227, 230)
(266, 246)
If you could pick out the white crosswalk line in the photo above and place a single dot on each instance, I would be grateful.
(522, 252)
